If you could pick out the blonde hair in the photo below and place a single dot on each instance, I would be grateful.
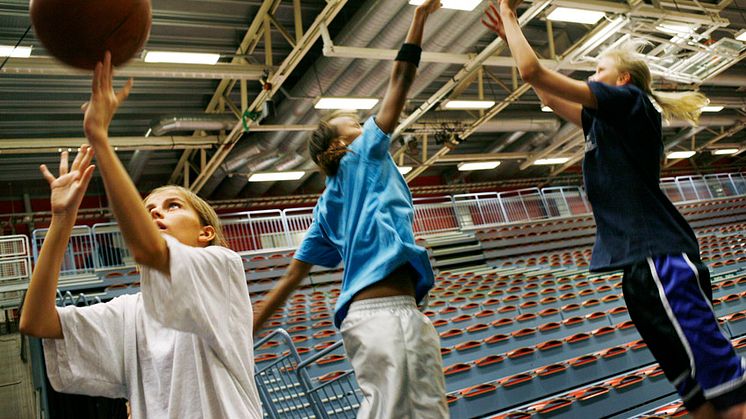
(681, 105)
(207, 215)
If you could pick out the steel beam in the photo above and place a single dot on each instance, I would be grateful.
(726, 134)
(458, 158)
(565, 60)
(337, 51)
(247, 45)
(570, 138)
(275, 81)
(139, 69)
(55, 145)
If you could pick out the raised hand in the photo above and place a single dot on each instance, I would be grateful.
(104, 101)
(493, 21)
(508, 5)
(68, 189)
(429, 6)
(496, 11)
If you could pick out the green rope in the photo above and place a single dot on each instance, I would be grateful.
(246, 116)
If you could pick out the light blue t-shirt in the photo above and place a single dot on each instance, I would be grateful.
(364, 218)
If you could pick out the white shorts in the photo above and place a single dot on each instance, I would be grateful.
(395, 352)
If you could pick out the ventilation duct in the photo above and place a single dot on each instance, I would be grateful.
(203, 122)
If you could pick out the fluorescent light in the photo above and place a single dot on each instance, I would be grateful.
(680, 154)
(675, 28)
(545, 108)
(181, 57)
(18, 52)
(566, 14)
(404, 169)
(469, 104)
(480, 165)
(724, 151)
(741, 36)
(712, 108)
(346, 103)
(275, 176)
(599, 37)
(467, 5)
(550, 161)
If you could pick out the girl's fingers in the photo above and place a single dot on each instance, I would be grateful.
(96, 82)
(492, 16)
(78, 158)
(493, 11)
(125, 92)
(87, 157)
(46, 173)
(86, 179)
(63, 163)
(107, 72)
(491, 27)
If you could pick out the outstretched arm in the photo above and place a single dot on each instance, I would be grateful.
(277, 297)
(502, 20)
(142, 237)
(39, 317)
(403, 73)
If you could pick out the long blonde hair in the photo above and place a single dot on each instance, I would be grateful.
(681, 105)
(207, 215)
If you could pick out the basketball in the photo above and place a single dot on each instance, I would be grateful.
(79, 32)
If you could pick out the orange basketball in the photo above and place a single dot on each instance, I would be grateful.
(79, 32)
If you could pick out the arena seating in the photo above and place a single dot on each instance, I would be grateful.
(526, 330)
(535, 334)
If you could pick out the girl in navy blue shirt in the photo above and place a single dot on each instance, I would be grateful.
(666, 287)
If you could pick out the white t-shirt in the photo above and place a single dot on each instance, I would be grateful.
(182, 348)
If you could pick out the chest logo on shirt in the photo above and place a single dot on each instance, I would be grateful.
(590, 143)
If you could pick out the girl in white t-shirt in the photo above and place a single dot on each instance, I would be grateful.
(181, 348)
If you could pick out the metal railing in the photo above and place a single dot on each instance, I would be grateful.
(563, 201)
(102, 247)
(434, 214)
(79, 255)
(15, 260)
(109, 249)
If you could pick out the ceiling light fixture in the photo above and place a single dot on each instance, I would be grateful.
(275, 176)
(347, 103)
(481, 165)
(468, 104)
(724, 151)
(466, 5)
(173, 57)
(680, 154)
(551, 161)
(15, 52)
(567, 14)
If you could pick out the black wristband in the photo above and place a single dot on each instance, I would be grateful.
(410, 53)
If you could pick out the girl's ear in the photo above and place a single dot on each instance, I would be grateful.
(624, 78)
(206, 235)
